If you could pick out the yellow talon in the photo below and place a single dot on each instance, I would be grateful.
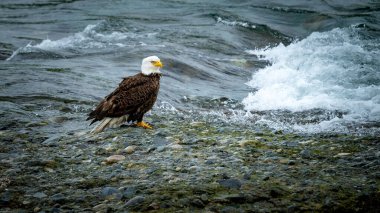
(144, 125)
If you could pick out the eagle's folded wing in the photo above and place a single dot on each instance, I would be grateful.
(128, 97)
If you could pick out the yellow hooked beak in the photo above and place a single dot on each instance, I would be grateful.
(157, 64)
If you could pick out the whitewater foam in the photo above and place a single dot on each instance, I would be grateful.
(334, 70)
(92, 37)
(235, 23)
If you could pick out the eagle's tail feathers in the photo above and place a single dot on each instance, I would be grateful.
(109, 123)
(101, 126)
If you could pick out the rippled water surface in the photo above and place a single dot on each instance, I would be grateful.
(296, 65)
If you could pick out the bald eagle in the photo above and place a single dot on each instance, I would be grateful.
(129, 102)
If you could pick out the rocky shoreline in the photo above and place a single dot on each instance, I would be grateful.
(184, 165)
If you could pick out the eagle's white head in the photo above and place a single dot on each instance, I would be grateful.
(151, 64)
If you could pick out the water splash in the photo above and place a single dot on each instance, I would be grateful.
(235, 23)
(21, 49)
(334, 70)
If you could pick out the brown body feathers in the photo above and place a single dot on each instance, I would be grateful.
(134, 97)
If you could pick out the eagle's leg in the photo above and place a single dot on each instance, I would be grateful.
(144, 125)
(141, 123)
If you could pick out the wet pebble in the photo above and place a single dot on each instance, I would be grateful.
(176, 147)
(306, 154)
(114, 158)
(210, 161)
(129, 192)
(197, 124)
(65, 109)
(101, 208)
(110, 193)
(230, 183)
(194, 168)
(59, 119)
(230, 209)
(154, 206)
(284, 161)
(36, 124)
(377, 154)
(160, 139)
(5, 197)
(161, 148)
(276, 191)
(52, 141)
(130, 149)
(56, 209)
(290, 143)
(342, 154)
(134, 202)
(39, 195)
(197, 202)
(245, 143)
(57, 198)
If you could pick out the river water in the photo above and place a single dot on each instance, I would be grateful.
(299, 66)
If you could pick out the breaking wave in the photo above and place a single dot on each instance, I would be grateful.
(338, 70)
(94, 36)
(235, 23)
